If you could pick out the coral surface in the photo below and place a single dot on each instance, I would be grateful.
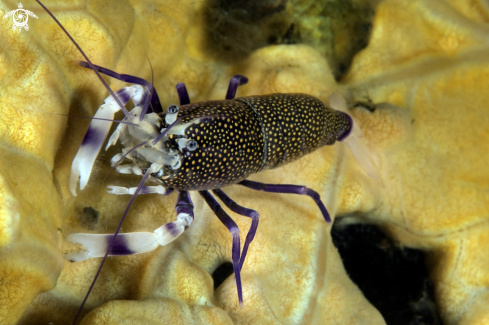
(423, 73)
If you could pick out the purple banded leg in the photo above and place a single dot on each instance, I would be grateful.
(96, 245)
(236, 80)
(182, 94)
(255, 217)
(185, 216)
(289, 189)
(234, 230)
(155, 100)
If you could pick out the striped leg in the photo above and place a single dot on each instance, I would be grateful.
(289, 189)
(234, 230)
(95, 245)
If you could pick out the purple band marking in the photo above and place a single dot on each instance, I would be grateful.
(93, 136)
(172, 229)
(119, 247)
(345, 133)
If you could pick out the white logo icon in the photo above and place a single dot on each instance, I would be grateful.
(20, 17)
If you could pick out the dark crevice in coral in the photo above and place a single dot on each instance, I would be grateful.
(367, 104)
(235, 28)
(222, 272)
(89, 218)
(338, 29)
(394, 279)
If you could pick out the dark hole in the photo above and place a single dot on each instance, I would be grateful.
(272, 39)
(366, 28)
(89, 217)
(394, 279)
(367, 104)
(221, 273)
(289, 35)
(343, 68)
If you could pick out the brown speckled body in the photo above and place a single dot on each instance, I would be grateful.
(242, 136)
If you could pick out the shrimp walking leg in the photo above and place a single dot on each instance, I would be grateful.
(289, 189)
(155, 100)
(250, 213)
(234, 230)
(96, 245)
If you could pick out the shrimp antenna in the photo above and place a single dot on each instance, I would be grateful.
(152, 82)
(124, 110)
(99, 119)
(151, 89)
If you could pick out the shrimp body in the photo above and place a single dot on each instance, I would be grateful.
(236, 138)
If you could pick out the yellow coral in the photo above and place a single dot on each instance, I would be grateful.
(433, 146)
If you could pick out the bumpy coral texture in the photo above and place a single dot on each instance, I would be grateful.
(429, 58)
(424, 69)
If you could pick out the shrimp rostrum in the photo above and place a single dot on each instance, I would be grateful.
(204, 147)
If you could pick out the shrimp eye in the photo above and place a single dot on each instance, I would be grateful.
(172, 109)
(191, 145)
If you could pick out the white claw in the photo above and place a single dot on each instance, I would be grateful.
(364, 157)
(97, 132)
(92, 143)
(95, 245)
